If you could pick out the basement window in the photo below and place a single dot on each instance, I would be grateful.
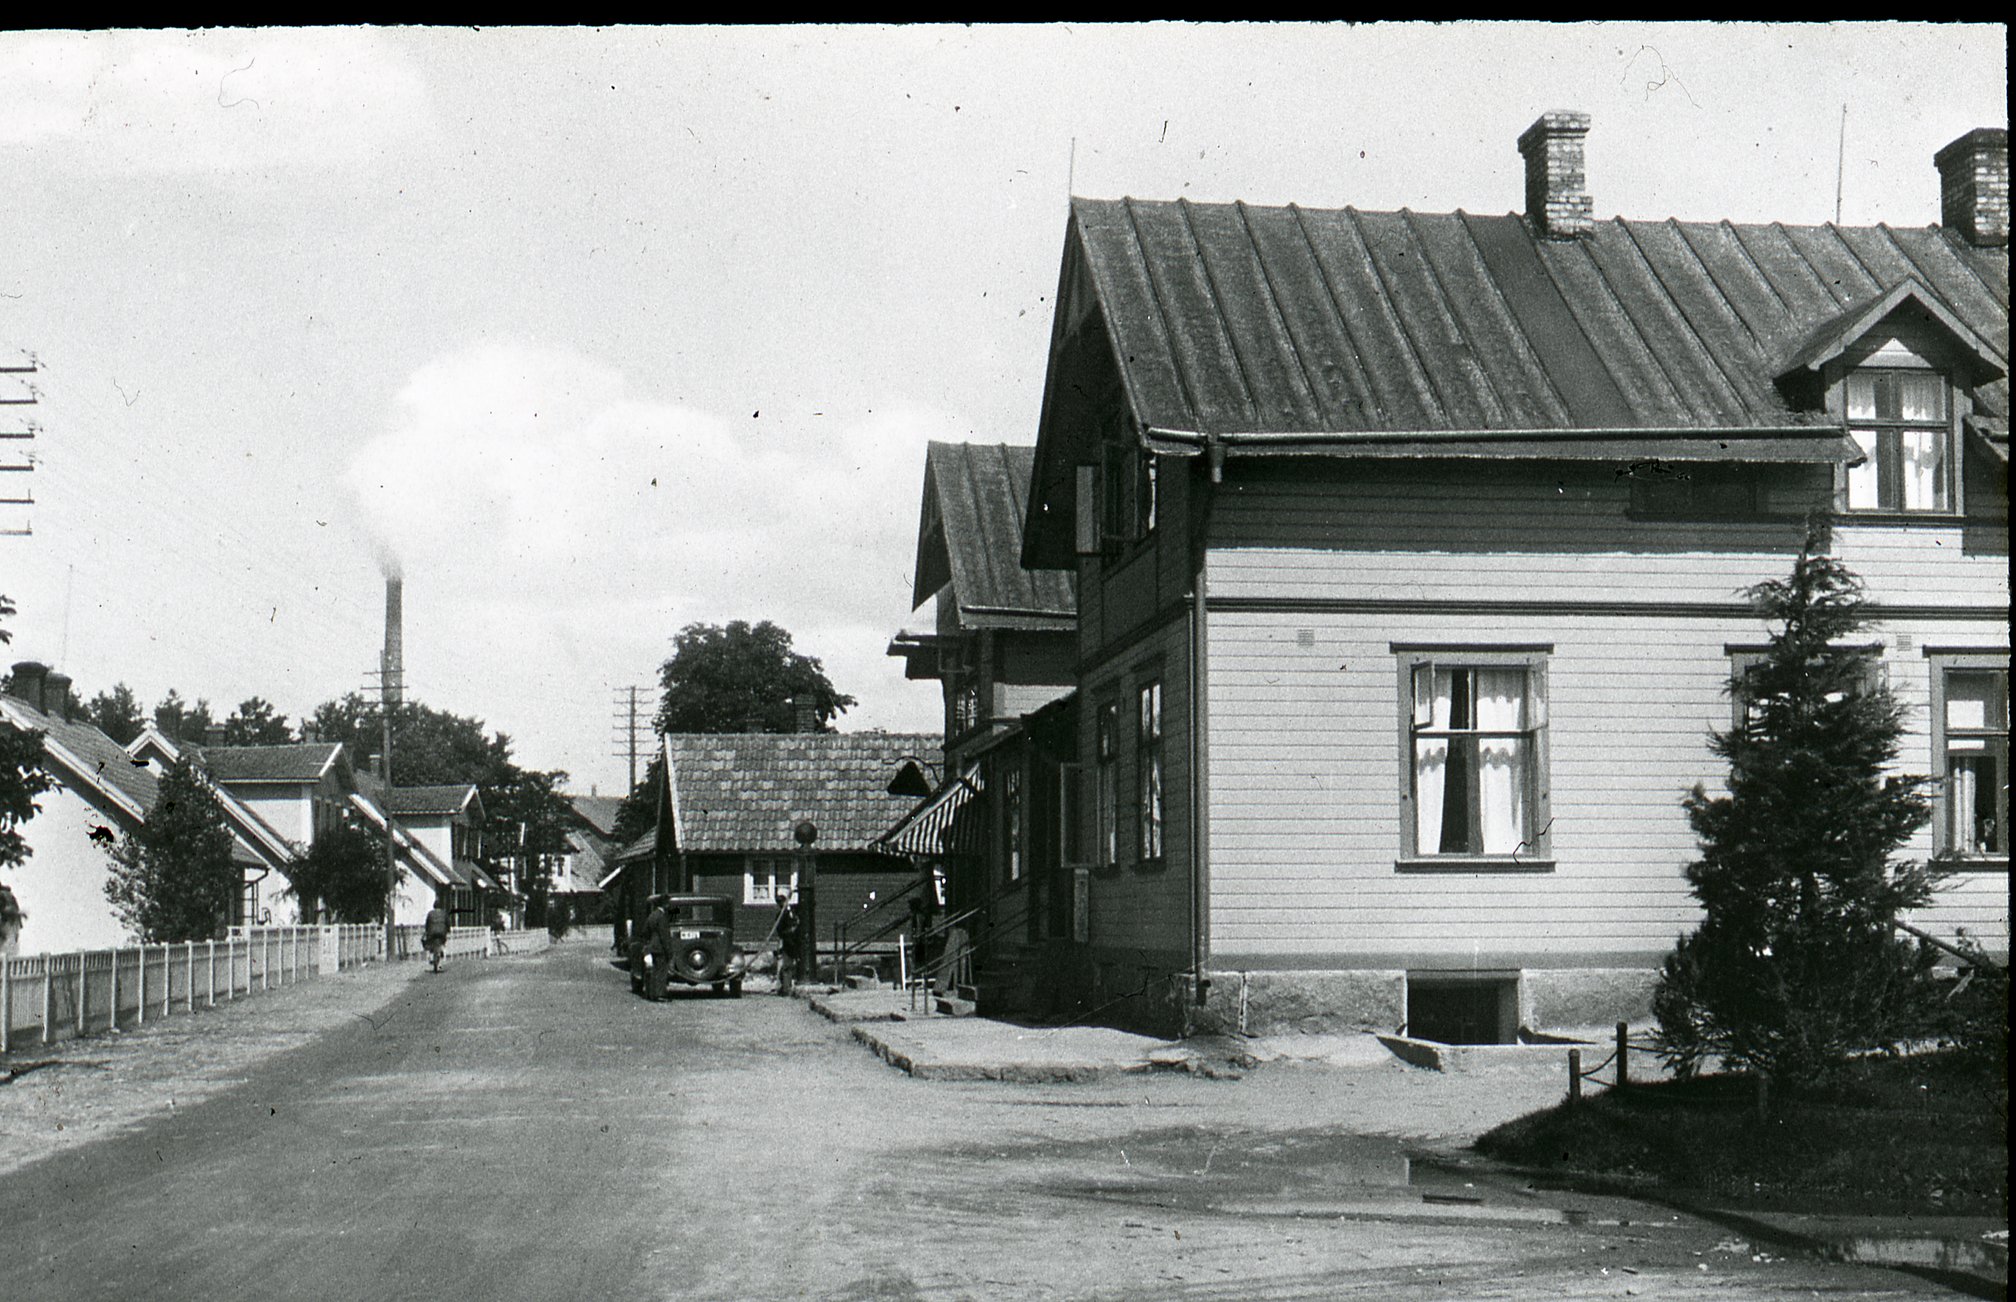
(1465, 1008)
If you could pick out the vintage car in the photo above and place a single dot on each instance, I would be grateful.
(704, 952)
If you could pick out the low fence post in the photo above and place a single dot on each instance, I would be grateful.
(83, 990)
(1623, 1054)
(6, 1007)
(48, 996)
(139, 1003)
(210, 985)
(1574, 1075)
(189, 986)
(112, 1004)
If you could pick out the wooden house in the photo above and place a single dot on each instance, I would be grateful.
(1001, 642)
(1409, 552)
(728, 808)
(102, 792)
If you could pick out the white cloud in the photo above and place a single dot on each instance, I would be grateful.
(208, 102)
(529, 496)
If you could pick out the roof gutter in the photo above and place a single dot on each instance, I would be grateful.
(1211, 442)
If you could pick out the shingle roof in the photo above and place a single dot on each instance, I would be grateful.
(101, 759)
(747, 791)
(1233, 318)
(599, 812)
(405, 802)
(975, 498)
(293, 762)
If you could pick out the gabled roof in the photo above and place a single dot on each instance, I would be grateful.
(88, 760)
(287, 762)
(745, 792)
(1907, 296)
(970, 536)
(424, 802)
(1261, 330)
(599, 812)
(412, 851)
(1231, 318)
(122, 784)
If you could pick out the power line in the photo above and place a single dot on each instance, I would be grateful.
(628, 722)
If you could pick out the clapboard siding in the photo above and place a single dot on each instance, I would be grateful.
(1561, 533)
(1307, 780)
(1132, 907)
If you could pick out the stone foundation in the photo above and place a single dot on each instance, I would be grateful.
(1335, 1002)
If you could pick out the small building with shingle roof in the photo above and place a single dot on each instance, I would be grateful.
(728, 805)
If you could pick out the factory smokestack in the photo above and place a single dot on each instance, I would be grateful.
(394, 661)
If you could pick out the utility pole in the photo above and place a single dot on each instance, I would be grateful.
(26, 396)
(629, 723)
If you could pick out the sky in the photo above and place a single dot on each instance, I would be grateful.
(594, 334)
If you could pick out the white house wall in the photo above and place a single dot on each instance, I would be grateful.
(62, 884)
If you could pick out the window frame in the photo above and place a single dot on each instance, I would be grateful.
(751, 895)
(1013, 810)
(1537, 853)
(1902, 362)
(1129, 496)
(1151, 826)
(1106, 780)
(1943, 662)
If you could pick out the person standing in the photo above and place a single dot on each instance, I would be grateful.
(790, 935)
(657, 948)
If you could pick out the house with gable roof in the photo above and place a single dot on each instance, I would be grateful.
(1001, 641)
(102, 792)
(1409, 552)
(728, 806)
(439, 831)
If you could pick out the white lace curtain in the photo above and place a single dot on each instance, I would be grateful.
(1475, 803)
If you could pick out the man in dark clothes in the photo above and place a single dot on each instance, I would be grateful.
(657, 944)
(790, 932)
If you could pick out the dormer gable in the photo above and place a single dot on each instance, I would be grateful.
(1908, 319)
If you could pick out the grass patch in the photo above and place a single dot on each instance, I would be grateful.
(1922, 1135)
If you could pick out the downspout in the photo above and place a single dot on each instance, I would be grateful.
(1200, 739)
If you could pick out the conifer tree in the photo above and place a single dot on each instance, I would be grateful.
(1796, 965)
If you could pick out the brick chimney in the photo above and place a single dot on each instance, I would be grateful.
(804, 714)
(56, 695)
(1974, 186)
(26, 682)
(1557, 185)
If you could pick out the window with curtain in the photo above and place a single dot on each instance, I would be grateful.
(1971, 721)
(1148, 739)
(1107, 762)
(1474, 749)
(765, 876)
(1901, 421)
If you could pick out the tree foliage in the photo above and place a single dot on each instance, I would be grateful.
(173, 878)
(638, 813)
(182, 721)
(116, 714)
(344, 874)
(22, 778)
(1795, 965)
(742, 678)
(256, 723)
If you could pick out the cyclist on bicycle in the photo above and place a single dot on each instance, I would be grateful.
(436, 937)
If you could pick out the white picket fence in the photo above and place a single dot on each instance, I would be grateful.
(50, 997)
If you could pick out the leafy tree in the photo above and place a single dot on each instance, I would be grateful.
(525, 820)
(742, 678)
(181, 720)
(429, 747)
(1796, 964)
(256, 723)
(116, 714)
(22, 778)
(343, 873)
(173, 878)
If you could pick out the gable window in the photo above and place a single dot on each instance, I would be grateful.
(1901, 421)
(1475, 759)
(965, 704)
(1129, 505)
(1970, 746)
(1106, 756)
(763, 878)
(1148, 743)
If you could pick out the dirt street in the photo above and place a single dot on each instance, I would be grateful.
(526, 1129)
